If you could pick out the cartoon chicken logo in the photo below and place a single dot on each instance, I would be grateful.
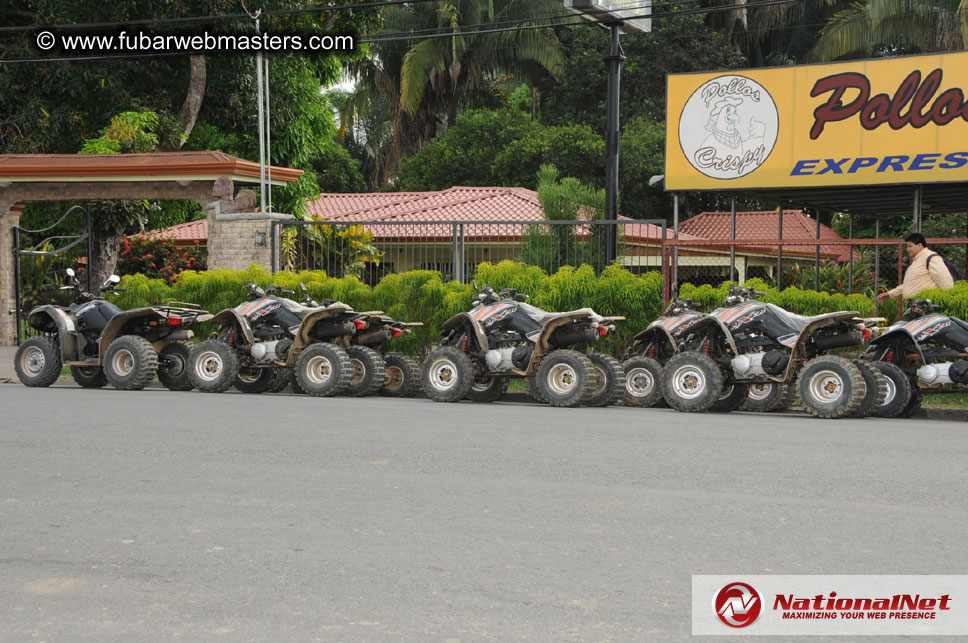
(728, 127)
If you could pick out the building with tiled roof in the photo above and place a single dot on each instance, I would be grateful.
(192, 233)
(765, 224)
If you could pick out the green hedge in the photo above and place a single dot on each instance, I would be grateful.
(796, 300)
(421, 295)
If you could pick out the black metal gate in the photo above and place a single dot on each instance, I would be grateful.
(41, 258)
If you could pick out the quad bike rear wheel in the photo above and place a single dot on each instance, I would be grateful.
(831, 386)
(447, 374)
(280, 379)
(732, 398)
(323, 369)
(877, 385)
(253, 380)
(769, 397)
(38, 361)
(402, 376)
(643, 382)
(567, 378)
(213, 366)
(173, 366)
(533, 391)
(89, 376)
(130, 362)
(369, 371)
(692, 382)
(613, 378)
(488, 389)
(899, 392)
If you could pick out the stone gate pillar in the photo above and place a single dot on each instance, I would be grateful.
(239, 238)
(9, 219)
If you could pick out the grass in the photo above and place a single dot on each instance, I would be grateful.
(946, 400)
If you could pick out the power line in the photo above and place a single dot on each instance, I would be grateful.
(579, 20)
(212, 18)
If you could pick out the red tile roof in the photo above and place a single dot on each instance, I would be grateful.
(186, 233)
(155, 164)
(764, 224)
(455, 204)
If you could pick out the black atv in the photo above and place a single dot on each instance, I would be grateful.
(391, 375)
(102, 343)
(747, 342)
(503, 337)
(924, 353)
(652, 348)
(259, 341)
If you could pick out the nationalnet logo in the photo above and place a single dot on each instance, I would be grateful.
(830, 605)
(737, 604)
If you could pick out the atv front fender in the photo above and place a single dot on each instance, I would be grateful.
(51, 319)
(663, 340)
(231, 317)
(467, 321)
(879, 346)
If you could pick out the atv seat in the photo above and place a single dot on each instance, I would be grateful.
(801, 321)
(543, 317)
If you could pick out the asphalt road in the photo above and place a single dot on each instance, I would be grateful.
(137, 516)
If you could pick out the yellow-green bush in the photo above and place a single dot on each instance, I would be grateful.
(421, 295)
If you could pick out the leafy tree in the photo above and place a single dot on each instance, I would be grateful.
(53, 107)
(888, 27)
(568, 199)
(421, 85)
(680, 44)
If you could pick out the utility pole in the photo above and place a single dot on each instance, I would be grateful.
(614, 60)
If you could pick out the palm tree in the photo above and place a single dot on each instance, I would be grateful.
(777, 34)
(873, 27)
(422, 82)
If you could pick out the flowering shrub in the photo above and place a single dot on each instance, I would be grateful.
(157, 258)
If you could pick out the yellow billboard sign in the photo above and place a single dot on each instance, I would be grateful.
(896, 120)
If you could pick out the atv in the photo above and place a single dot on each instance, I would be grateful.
(656, 345)
(392, 375)
(747, 342)
(102, 343)
(924, 353)
(259, 341)
(503, 337)
(652, 348)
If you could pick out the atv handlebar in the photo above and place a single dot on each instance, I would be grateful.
(738, 294)
(919, 307)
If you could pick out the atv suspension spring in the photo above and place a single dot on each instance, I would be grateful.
(707, 348)
(464, 344)
(652, 351)
(230, 338)
(889, 358)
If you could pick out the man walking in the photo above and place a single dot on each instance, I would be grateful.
(921, 274)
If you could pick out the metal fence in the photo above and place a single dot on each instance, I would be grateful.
(371, 249)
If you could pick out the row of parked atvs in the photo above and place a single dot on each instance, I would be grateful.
(746, 354)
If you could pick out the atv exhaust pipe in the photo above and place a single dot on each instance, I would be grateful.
(377, 336)
(570, 336)
(827, 342)
(335, 330)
